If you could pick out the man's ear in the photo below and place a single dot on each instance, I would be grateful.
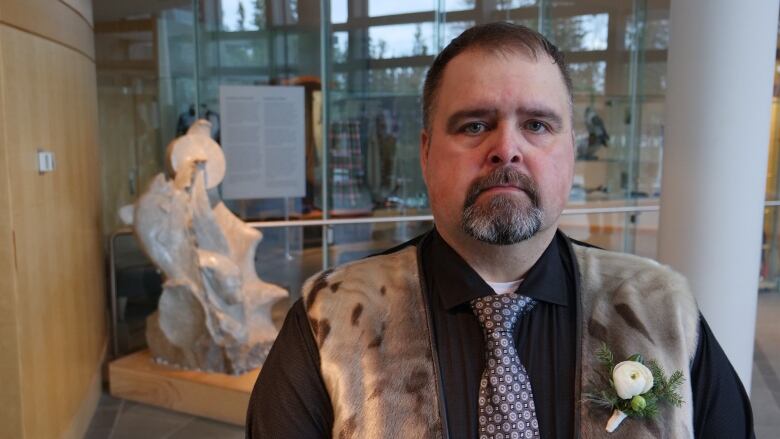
(425, 145)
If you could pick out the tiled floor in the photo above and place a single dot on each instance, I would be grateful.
(765, 391)
(117, 419)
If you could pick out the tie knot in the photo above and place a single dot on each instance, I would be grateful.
(500, 312)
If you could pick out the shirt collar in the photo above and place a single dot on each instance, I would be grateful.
(458, 283)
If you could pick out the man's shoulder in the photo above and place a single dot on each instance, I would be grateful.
(616, 266)
(618, 280)
(356, 300)
(615, 274)
(375, 275)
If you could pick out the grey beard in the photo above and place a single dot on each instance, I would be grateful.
(501, 221)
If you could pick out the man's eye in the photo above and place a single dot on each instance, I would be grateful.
(474, 128)
(536, 126)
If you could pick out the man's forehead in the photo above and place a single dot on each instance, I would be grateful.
(471, 79)
(507, 53)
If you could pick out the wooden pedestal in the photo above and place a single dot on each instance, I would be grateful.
(212, 395)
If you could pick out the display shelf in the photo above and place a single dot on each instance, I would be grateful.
(217, 396)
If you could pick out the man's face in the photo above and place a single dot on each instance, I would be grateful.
(498, 158)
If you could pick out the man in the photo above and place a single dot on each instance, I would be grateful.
(416, 342)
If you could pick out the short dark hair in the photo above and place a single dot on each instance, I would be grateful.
(493, 37)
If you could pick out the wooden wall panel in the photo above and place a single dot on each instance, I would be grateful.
(49, 101)
(10, 398)
(117, 141)
(54, 20)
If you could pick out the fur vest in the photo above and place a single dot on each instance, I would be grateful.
(373, 332)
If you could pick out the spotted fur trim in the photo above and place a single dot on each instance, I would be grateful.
(636, 305)
(369, 321)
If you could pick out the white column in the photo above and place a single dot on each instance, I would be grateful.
(720, 71)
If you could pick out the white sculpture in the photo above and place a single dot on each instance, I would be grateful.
(214, 313)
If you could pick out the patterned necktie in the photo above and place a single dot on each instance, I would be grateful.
(506, 403)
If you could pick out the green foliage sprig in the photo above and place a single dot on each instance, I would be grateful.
(646, 405)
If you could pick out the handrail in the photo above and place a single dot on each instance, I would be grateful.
(412, 218)
(395, 219)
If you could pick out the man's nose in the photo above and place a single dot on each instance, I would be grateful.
(505, 148)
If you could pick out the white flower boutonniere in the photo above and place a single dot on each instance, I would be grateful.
(635, 389)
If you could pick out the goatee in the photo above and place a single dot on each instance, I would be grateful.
(504, 219)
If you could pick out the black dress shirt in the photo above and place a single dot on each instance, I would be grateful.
(290, 398)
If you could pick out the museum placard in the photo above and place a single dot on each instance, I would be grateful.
(263, 137)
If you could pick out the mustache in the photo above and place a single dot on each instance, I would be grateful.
(505, 176)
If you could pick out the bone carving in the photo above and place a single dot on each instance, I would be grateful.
(214, 313)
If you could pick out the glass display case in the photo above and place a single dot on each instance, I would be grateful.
(361, 66)
(362, 63)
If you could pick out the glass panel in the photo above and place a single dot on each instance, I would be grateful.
(766, 353)
(401, 79)
(278, 44)
(618, 104)
(773, 181)
(503, 5)
(770, 254)
(615, 116)
(531, 23)
(138, 287)
(653, 76)
(240, 15)
(176, 54)
(394, 41)
(584, 32)
(377, 8)
(650, 150)
(654, 79)
(598, 173)
(655, 33)
(351, 242)
(340, 48)
(145, 72)
(588, 78)
(373, 159)
(287, 256)
(608, 230)
(602, 172)
(339, 11)
(237, 52)
(374, 116)
(770, 257)
(458, 5)
(363, 134)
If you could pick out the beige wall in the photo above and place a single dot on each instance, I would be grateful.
(52, 295)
